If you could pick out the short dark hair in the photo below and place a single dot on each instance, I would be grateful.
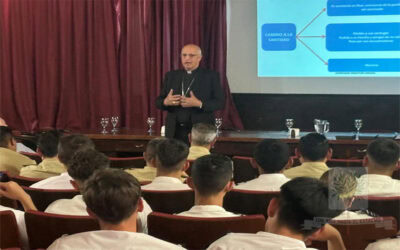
(203, 134)
(211, 173)
(84, 163)
(151, 148)
(385, 152)
(307, 204)
(48, 143)
(70, 144)
(271, 155)
(5, 136)
(170, 153)
(112, 194)
(313, 146)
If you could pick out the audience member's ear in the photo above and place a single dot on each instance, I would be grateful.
(254, 163)
(140, 205)
(186, 165)
(298, 155)
(12, 144)
(153, 162)
(39, 152)
(90, 212)
(213, 142)
(189, 181)
(190, 138)
(288, 165)
(365, 161)
(272, 207)
(229, 186)
(74, 184)
(329, 154)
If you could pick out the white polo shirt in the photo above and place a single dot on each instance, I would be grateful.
(110, 239)
(379, 185)
(203, 211)
(265, 182)
(166, 183)
(260, 240)
(61, 181)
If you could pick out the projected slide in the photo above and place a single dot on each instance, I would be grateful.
(319, 38)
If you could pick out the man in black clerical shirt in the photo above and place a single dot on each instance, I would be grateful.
(190, 96)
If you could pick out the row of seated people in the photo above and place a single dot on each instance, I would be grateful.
(179, 168)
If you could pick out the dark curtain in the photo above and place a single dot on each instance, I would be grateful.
(59, 64)
(67, 63)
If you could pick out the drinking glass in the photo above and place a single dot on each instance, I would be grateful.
(104, 123)
(358, 124)
(114, 122)
(218, 124)
(321, 126)
(289, 124)
(150, 122)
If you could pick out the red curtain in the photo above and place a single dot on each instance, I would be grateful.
(67, 63)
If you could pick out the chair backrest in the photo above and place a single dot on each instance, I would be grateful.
(336, 162)
(357, 234)
(43, 197)
(199, 233)
(127, 162)
(382, 206)
(243, 170)
(24, 181)
(170, 202)
(248, 202)
(34, 156)
(9, 234)
(44, 228)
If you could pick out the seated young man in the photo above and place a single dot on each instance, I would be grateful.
(271, 157)
(50, 166)
(298, 214)
(201, 138)
(82, 165)
(313, 152)
(171, 164)
(10, 160)
(116, 208)
(381, 160)
(344, 183)
(148, 173)
(211, 179)
(67, 147)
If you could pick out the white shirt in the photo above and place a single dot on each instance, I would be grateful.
(265, 182)
(61, 181)
(380, 185)
(384, 244)
(22, 148)
(20, 218)
(166, 183)
(260, 240)
(76, 206)
(349, 215)
(203, 211)
(110, 239)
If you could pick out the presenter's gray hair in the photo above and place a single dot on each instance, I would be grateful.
(203, 134)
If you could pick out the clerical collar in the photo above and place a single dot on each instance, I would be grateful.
(189, 72)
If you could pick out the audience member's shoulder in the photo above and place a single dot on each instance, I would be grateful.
(108, 239)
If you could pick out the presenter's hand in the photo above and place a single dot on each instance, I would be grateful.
(191, 101)
(172, 100)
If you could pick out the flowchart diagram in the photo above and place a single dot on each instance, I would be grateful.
(354, 37)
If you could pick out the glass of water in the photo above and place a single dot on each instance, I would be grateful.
(150, 121)
(104, 123)
(358, 124)
(218, 124)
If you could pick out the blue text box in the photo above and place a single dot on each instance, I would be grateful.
(364, 65)
(278, 36)
(363, 37)
(363, 8)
